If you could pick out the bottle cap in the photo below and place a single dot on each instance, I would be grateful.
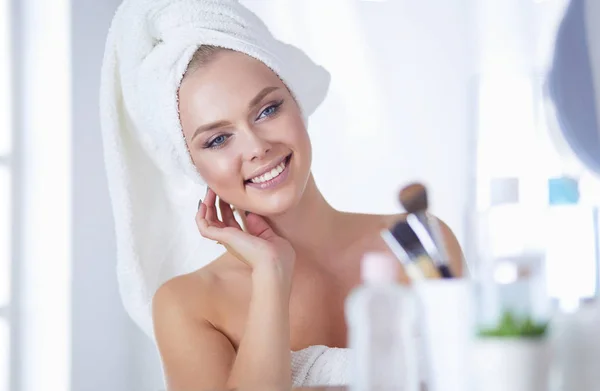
(378, 268)
(563, 191)
(504, 191)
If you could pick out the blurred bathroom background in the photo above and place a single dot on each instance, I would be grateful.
(446, 92)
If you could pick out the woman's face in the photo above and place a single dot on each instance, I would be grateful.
(245, 133)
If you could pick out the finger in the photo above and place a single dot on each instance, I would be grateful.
(227, 215)
(201, 216)
(207, 230)
(201, 211)
(211, 230)
(227, 236)
(236, 242)
(258, 226)
(209, 201)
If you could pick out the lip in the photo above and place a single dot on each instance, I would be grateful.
(268, 168)
(275, 181)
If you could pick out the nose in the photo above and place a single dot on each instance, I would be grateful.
(255, 146)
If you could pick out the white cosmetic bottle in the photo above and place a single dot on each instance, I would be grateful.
(380, 318)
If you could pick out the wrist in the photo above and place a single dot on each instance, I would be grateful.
(271, 273)
(267, 270)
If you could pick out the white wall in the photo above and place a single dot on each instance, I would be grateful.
(398, 110)
(40, 283)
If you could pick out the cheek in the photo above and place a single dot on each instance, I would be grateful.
(300, 138)
(295, 133)
(218, 171)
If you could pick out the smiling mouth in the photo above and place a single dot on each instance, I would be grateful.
(270, 175)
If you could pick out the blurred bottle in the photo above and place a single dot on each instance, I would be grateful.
(577, 347)
(512, 311)
(571, 231)
(380, 317)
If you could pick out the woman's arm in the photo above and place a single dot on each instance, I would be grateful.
(264, 357)
(196, 356)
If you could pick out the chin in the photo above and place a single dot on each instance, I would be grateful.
(277, 203)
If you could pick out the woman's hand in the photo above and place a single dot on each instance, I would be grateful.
(260, 247)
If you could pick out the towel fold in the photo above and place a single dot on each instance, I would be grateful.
(320, 365)
(153, 184)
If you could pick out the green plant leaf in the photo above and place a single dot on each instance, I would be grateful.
(511, 326)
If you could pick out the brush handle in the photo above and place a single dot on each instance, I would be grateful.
(445, 271)
(432, 225)
(426, 267)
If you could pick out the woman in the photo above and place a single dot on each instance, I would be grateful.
(282, 282)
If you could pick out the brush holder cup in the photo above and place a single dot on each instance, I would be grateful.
(446, 328)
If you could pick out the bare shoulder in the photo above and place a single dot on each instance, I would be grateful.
(371, 221)
(192, 295)
(196, 353)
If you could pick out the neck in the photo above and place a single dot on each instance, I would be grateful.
(311, 224)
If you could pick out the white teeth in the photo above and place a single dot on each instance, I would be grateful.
(270, 175)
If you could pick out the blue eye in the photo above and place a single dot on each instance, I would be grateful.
(217, 142)
(271, 110)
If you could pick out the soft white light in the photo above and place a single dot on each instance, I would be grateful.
(4, 355)
(45, 266)
(5, 237)
(5, 81)
(506, 273)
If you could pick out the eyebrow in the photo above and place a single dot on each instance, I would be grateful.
(260, 96)
(219, 124)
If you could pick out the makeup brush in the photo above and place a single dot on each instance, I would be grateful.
(415, 201)
(413, 198)
(405, 244)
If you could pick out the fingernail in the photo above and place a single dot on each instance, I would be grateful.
(199, 203)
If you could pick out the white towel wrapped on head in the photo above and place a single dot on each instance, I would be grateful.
(153, 184)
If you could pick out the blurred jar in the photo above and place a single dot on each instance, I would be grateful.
(511, 299)
(512, 309)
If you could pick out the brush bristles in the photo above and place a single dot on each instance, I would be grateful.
(406, 237)
(413, 198)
